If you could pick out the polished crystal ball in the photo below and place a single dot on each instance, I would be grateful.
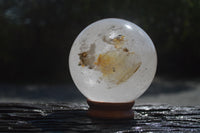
(112, 60)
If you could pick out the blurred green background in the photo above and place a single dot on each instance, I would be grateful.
(36, 35)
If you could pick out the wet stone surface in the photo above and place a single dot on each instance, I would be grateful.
(71, 117)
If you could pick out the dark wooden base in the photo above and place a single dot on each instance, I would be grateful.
(106, 110)
(72, 118)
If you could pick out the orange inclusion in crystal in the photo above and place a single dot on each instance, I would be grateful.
(106, 63)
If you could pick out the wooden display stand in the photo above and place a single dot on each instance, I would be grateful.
(106, 110)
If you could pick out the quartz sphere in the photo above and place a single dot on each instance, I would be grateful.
(112, 60)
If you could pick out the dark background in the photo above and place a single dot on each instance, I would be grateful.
(36, 35)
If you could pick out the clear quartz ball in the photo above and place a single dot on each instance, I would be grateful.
(112, 60)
